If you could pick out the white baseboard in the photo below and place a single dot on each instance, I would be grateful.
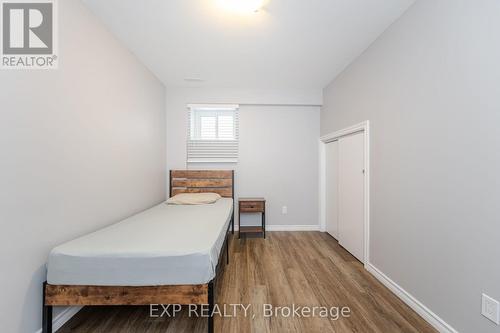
(289, 227)
(429, 316)
(63, 317)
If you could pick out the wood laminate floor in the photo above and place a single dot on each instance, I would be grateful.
(301, 268)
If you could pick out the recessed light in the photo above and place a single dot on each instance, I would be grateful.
(241, 6)
(194, 79)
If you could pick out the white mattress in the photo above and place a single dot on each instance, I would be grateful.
(164, 245)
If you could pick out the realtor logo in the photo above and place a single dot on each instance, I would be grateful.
(28, 34)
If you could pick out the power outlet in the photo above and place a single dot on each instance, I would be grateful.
(490, 308)
(284, 210)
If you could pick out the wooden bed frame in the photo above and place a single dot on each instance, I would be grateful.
(181, 181)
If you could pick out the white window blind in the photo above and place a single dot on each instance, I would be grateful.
(212, 133)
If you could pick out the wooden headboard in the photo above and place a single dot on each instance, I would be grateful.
(197, 181)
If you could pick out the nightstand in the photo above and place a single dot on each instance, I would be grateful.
(252, 205)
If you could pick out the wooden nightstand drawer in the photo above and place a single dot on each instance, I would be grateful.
(251, 206)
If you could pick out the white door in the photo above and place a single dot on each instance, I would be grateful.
(332, 187)
(351, 194)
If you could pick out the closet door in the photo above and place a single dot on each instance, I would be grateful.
(332, 188)
(351, 194)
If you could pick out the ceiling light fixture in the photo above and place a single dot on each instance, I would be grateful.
(194, 79)
(241, 6)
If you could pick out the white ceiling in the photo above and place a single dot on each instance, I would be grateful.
(288, 44)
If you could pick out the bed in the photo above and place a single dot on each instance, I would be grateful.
(169, 254)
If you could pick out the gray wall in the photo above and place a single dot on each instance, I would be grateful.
(81, 147)
(431, 88)
(278, 154)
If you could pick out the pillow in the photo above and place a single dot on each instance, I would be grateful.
(193, 199)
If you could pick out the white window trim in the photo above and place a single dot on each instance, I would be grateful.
(214, 107)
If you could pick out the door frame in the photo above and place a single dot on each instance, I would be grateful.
(363, 127)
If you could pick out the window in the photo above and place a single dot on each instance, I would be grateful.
(212, 125)
(213, 133)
